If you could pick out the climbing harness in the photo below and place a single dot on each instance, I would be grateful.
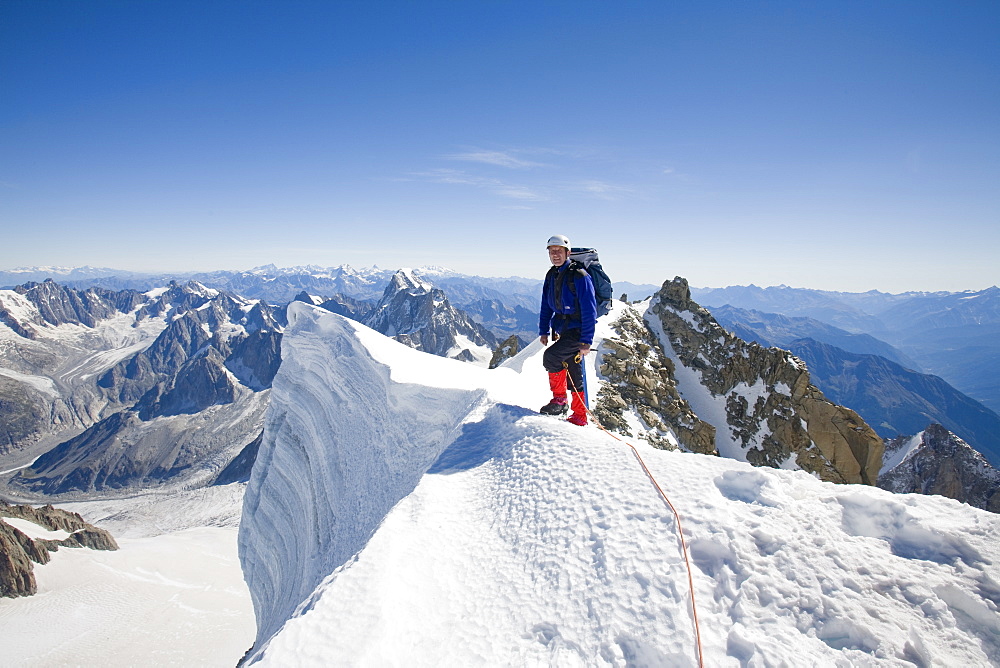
(677, 519)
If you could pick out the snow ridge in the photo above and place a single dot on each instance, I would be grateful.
(408, 510)
(359, 440)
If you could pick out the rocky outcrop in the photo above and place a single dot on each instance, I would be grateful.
(95, 538)
(638, 394)
(18, 550)
(773, 413)
(510, 347)
(936, 461)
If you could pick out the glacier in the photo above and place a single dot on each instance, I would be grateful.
(409, 510)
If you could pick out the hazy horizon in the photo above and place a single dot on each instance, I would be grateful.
(167, 272)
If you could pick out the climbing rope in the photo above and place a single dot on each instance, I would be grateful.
(677, 517)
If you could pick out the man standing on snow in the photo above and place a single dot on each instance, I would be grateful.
(569, 314)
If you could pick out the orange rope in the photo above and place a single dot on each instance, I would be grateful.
(677, 518)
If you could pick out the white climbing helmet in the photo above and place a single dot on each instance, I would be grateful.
(558, 240)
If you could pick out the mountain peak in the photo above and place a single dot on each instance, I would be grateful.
(407, 280)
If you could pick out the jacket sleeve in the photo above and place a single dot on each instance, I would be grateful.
(545, 315)
(588, 307)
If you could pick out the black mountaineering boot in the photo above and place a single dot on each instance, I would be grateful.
(555, 407)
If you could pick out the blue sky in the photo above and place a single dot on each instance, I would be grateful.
(836, 145)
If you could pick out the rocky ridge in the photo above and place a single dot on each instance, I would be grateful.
(871, 377)
(18, 550)
(954, 335)
(638, 393)
(773, 413)
(50, 304)
(895, 400)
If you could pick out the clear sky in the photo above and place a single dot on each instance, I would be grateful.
(838, 145)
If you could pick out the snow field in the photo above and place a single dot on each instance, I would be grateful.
(175, 598)
(482, 533)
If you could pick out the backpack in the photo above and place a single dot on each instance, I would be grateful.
(602, 284)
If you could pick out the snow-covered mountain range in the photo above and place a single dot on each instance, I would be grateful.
(504, 305)
(117, 390)
(193, 371)
(509, 534)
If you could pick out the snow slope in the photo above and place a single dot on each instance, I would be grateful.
(411, 510)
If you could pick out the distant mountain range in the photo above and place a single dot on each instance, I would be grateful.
(870, 376)
(954, 335)
(503, 305)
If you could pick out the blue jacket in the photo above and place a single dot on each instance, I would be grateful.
(569, 311)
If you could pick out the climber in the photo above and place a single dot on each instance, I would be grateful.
(569, 315)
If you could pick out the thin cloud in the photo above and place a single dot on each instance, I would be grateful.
(601, 189)
(498, 158)
(496, 186)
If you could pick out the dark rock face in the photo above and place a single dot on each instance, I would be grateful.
(18, 551)
(785, 416)
(201, 382)
(83, 462)
(255, 359)
(240, 468)
(16, 572)
(22, 414)
(943, 464)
